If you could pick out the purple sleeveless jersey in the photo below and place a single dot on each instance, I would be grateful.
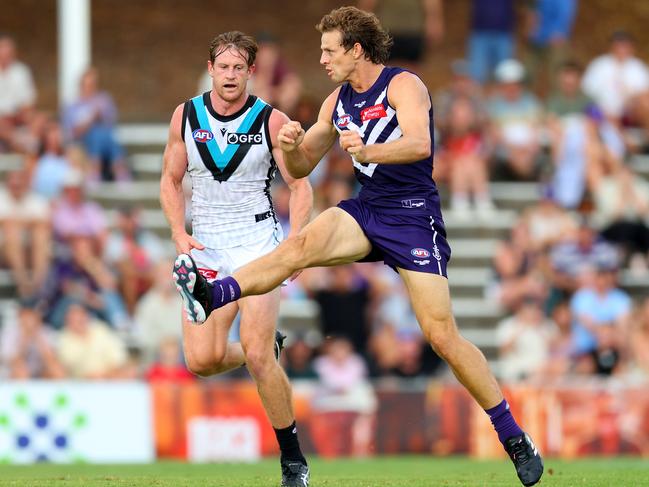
(389, 186)
(398, 207)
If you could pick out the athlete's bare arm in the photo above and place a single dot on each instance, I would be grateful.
(302, 151)
(301, 200)
(409, 97)
(172, 199)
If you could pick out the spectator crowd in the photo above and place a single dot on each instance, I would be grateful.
(93, 293)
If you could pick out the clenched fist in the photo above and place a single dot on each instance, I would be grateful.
(351, 141)
(290, 136)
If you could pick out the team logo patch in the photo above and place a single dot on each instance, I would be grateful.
(376, 111)
(343, 120)
(234, 138)
(208, 274)
(416, 203)
(421, 262)
(419, 252)
(436, 253)
(201, 135)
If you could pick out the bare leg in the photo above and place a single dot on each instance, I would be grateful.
(459, 178)
(521, 160)
(639, 107)
(128, 284)
(41, 248)
(207, 351)
(19, 369)
(431, 301)
(332, 238)
(12, 231)
(259, 315)
(52, 366)
(478, 174)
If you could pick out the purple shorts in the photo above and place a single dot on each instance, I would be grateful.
(411, 241)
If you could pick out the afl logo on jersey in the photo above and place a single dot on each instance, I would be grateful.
(343, 120)
(419, 252)
(201, 135)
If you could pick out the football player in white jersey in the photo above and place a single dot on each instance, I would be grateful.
(226, 140)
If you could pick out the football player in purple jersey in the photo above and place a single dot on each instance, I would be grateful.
(382, 116)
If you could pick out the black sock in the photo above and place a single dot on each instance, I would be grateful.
(289, 444)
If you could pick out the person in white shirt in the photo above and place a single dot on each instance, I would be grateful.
(88, 348)
(17, 91)
(619, 81)
(524, 341)
(26, 235)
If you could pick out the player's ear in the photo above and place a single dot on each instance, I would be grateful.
(252, 69)
(357, 50)
(210, 67)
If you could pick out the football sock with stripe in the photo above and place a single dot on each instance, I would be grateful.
(503, 421)
(225, 291)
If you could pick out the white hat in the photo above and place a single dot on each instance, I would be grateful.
(509, 71)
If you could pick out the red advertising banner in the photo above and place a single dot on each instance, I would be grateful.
(440, 419)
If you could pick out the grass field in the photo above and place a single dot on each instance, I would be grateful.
(387, 471)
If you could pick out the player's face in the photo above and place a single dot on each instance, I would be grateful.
(338, 61)
(230, 74)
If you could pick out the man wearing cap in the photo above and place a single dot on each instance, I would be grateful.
(517, 117)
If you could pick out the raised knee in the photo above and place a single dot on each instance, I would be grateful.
(199, 368)
(203, 365)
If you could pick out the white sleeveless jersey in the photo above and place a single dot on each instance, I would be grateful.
(231, 166)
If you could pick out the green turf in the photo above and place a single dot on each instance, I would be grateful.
(387, 471)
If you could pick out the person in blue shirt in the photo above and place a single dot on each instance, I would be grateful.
(491, 39)
(600, 319)
(549, 26)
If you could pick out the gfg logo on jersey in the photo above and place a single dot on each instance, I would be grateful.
(343, 120)
(234, 138)
(201, 135)
(419, 252)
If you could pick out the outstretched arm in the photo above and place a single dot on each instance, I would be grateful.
(409, 97)
(302, 151)
(172, 199)
(301, 200)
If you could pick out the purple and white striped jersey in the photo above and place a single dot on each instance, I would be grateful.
(388, 186)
